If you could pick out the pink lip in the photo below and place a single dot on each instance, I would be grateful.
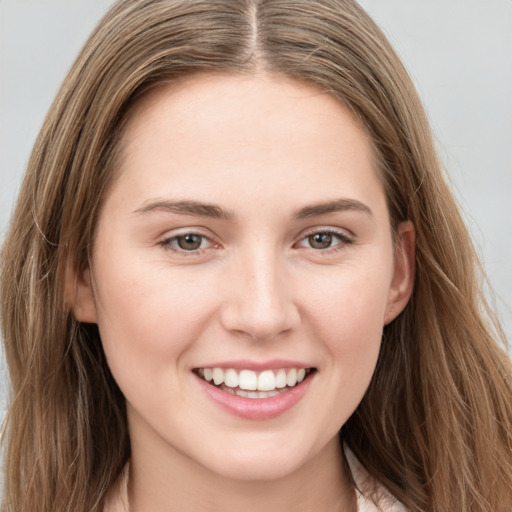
(273, 364)
(256, 408)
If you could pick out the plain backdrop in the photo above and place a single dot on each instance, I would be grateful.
(459, 54)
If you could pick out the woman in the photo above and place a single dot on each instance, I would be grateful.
(230, 198)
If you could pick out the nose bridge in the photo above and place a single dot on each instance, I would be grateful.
(261, 300)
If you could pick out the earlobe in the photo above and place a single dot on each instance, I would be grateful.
(402, 283)
(78, 294)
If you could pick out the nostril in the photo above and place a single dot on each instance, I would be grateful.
(260, 321)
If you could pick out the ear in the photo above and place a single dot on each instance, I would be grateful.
(402, 283)
(79, 294)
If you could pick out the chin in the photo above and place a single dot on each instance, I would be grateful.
(254, 463)
(256, 470)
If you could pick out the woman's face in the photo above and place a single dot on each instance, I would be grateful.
(246, 240)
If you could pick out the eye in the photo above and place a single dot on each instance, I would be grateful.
(187, 242)
(325, 240)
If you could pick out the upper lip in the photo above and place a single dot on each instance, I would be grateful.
(246, 364)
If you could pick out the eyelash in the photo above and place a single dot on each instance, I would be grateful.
(343, 240)
(170, 243)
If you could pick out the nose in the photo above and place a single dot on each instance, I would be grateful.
(259, 301)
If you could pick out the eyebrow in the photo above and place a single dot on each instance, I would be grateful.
(187, 207)
(199, 209)
(337, 205)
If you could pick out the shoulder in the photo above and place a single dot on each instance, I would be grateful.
(384, 501)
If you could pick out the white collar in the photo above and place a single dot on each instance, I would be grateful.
(385, 501)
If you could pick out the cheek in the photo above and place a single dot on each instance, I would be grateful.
(344, 314)
(347, 312)
(148, 317)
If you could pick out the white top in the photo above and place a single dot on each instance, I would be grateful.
(117, 499)
(386, 502)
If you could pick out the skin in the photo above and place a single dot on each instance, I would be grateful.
(262, 148)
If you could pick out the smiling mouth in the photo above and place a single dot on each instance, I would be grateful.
(251, 384)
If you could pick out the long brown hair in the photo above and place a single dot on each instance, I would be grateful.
(435, 426)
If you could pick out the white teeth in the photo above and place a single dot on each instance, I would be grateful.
(248, 380)
(281, 379)
(250, 384)
(266, 381)
(253, 394)
(218, 376)
(291, 377)
(231, 378)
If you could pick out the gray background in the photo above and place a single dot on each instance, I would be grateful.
(457, 51)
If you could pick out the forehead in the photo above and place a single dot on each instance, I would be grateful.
(238, 131)
(268, 102)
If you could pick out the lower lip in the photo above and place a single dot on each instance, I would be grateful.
(256, 408)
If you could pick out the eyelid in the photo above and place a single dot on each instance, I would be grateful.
(345, 239)
(167, 241)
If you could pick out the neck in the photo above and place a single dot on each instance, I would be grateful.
(164, 482)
